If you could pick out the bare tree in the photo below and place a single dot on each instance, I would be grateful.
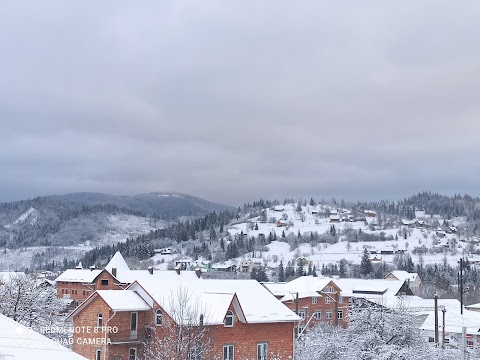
(183, 335)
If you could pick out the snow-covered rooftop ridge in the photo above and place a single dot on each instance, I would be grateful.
(304, 286)
(125, 300)
(79, 275)
(117, 262)
(404, 275)
(367, 288)
(213, 298)
(21, 343)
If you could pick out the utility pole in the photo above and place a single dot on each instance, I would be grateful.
(436, 319)
(443, 328)
(464, 342)
(461, 286)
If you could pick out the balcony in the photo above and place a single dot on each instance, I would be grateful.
(127, 336)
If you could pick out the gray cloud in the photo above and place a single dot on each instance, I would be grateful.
(361, 100)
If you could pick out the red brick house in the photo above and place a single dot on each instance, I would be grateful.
(76, 285)
(186, 318)
(314, 299)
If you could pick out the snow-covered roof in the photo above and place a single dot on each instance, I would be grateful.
(78, 275)
(213, 298)
(21, 343)
(117, 262)
(128, 277)
(225, 265)
(125, 300)
(305, 286)
(403, 275)
(370, 289)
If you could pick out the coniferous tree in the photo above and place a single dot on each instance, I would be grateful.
(281, 272)
(366, 264)
(314, 270)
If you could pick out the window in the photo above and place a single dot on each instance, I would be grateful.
(104, 282)
(84, 292)
(317, 315)
(228, 352)
(74, 291)
(340, 314)
(229, 319)
(340, 299)
(66, 291)
(63, 291)
(470, 344)
(328, 314)
(75, 304)
(314, 300)
(100, 320)
(262, 351)
(194, 353)
(327, 299)
(133, 321)
(431, 339)
(158, 317)
(132, 354)
(331, 289)
(302, 314)
(98, 355)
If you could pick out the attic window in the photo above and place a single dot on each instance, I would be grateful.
(104, 282)
(158, 317)
(228, 319)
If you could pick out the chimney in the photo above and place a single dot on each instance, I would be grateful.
(92, 267)
(198, 272)
(150, 270)
(114, 272)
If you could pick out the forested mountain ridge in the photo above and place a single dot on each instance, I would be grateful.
(92, 219)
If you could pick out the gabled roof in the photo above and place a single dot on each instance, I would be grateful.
(117, 300)
(305, 286)
(117, 262)
(19, 342)
(371, 289)
(213, 297)
(403, 275)
(79, 275)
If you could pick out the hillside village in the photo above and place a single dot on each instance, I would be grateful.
(260, 283)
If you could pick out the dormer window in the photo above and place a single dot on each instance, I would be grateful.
(100, 320)
(228, 319)
(158, 317)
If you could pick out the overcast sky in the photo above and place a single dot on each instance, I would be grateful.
(233, 101)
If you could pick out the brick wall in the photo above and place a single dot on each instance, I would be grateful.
(80, 291)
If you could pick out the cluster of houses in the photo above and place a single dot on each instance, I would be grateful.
(243, 318)
(119, 313)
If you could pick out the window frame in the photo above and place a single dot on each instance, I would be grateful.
(134, 354)
(302, 313)
(98, 354)
(230, 352)
(227, 317)
(157, 313)
(314, 299)
(99, 320)
(319, 317)
(339, 314)
(327, 300)
(340, 299)
(262, 351)
(104, 282)
(328, 314)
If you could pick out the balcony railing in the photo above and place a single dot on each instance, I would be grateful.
(127, 336)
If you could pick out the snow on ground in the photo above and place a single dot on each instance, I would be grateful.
(31, 214)
(19, 259)
(122, 226)
(310, 222)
